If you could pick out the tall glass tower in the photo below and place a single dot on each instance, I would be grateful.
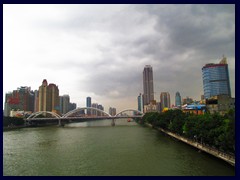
(148, 93)
(89, 104)
(216, 79)
(178, 101)
(140, 102)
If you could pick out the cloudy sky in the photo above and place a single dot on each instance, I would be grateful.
(101, 50)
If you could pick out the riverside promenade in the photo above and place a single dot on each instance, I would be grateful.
(226, 157)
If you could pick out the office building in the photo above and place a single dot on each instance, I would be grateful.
(88, 104)
(216, 79)
(178, 101)
(148, 91)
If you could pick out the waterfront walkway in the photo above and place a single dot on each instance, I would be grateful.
(226, 157)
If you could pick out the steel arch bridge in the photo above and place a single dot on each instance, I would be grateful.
(68, 114)
(133, 110)
(83, 108)
(34, 115)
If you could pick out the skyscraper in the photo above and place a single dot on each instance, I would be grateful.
(178, 102)
(89, 104)
(148, 85)
(216, 79)
(165, 100)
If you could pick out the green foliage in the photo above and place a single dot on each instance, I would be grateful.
(12, 121)
(212, 129)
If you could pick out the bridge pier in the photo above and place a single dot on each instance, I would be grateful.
(113, 122)
(60, 123)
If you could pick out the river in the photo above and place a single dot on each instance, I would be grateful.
(98, 149)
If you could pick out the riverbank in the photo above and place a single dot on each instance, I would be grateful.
(9, 128)
(226, 157)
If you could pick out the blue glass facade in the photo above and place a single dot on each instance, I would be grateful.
(215, 80)
(178, 101)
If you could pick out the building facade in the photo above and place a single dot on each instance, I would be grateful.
(21, 99)
(112, 111)
(165, 100)
(88, 104)
(64, 103)
(220, 104)
(140, 102)
(148, 91)
(216, 79)
(48, 97)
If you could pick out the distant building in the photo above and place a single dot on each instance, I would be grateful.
(148, 92)
(94, 112)
(72, 106)
(112, 111)
(48, 97)
(165, 100)
(178, 101)
(36, 104)
(101, 108)
(216, 79)
(194, 109)
(89, 104)
(159, 106)
(64, 104)
(21, 99)
(151, 107)
(140, 102)
(220, 104)
(187, 100)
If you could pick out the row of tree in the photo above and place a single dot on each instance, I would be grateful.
(12, 121)
(214, 130)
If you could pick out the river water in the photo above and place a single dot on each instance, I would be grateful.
(96, 149)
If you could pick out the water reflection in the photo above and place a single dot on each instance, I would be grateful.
(105, 122)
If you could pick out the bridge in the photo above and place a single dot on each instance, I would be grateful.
(73, 116)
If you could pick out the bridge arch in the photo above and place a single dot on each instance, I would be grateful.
(129, 110)
(33, 115)
(83, 108)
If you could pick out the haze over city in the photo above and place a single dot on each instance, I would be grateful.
(101, 50)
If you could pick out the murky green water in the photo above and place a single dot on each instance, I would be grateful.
(91, 149)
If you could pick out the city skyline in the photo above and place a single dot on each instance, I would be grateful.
(87, 50)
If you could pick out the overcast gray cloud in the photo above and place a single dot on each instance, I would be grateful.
(101, 50)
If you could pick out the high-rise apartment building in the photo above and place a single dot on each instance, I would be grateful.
(178, 101)
(64, 103)
(148, 91)
(48, 97)
(216, 79)
(165, 100)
